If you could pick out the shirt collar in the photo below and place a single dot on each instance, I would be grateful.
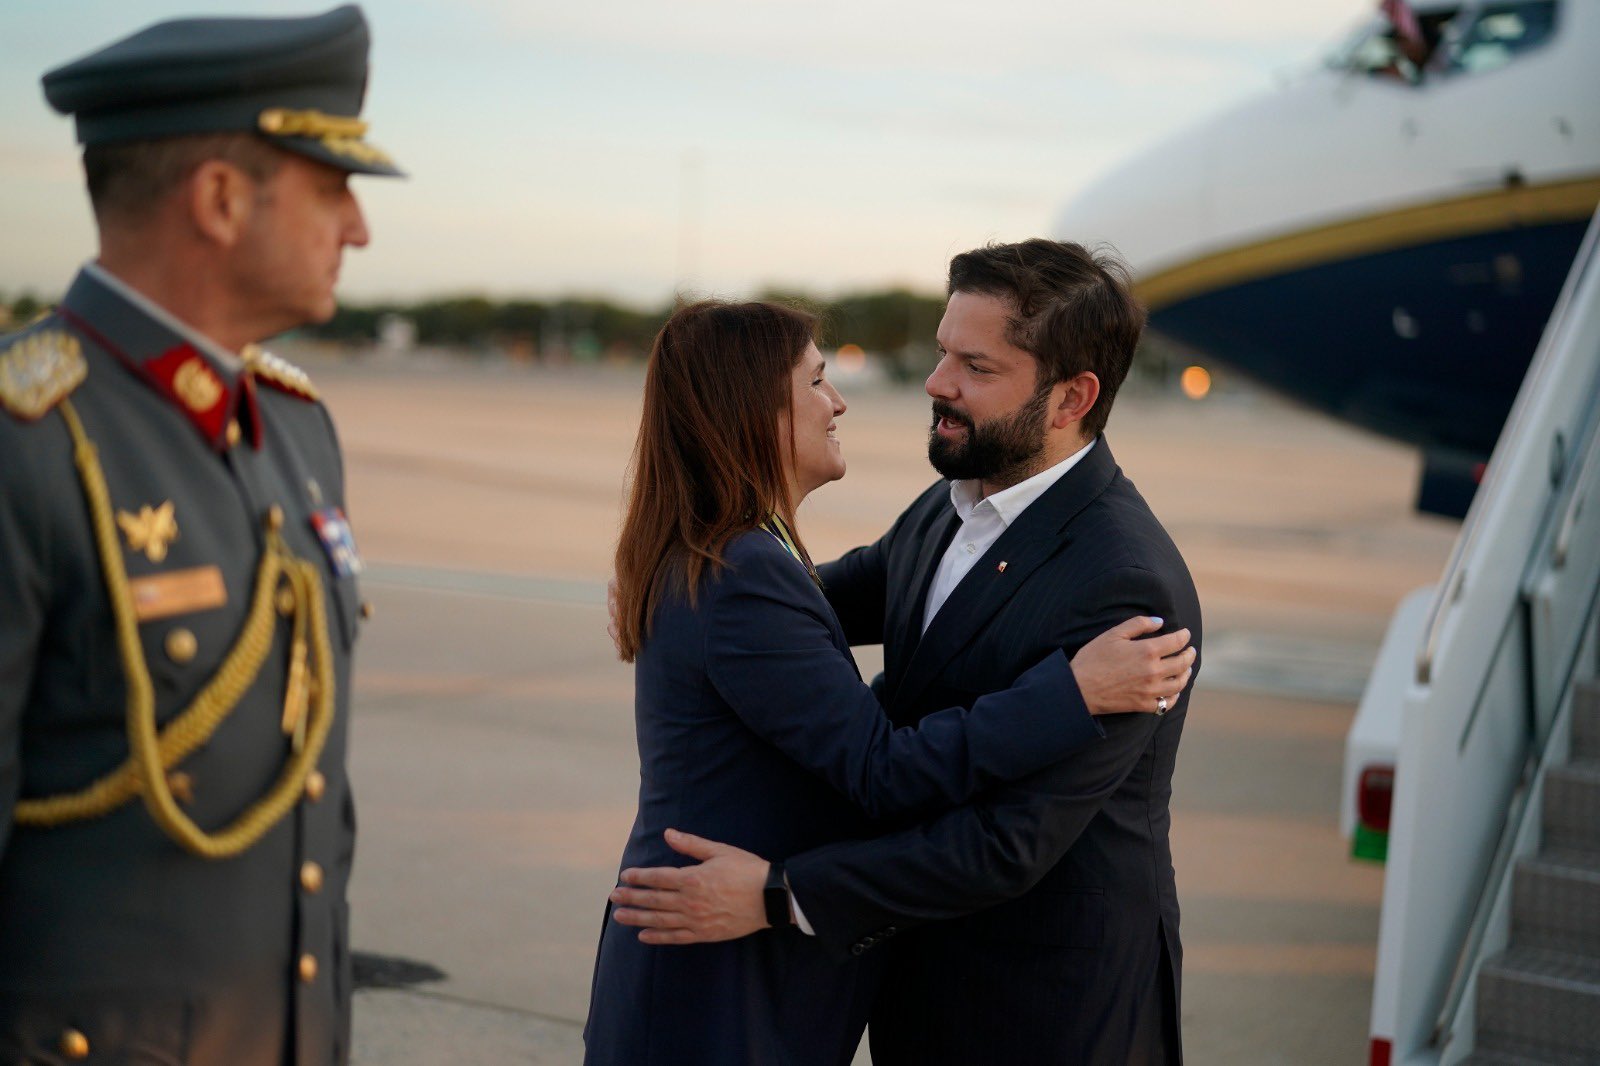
(1010, 502)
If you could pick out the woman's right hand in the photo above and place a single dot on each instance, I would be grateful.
(1123, 670)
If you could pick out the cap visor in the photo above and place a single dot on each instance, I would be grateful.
(344, 153)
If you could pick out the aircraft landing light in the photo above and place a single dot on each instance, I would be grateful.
(1195, 382)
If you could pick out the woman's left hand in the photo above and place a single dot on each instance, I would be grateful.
(1124, 670)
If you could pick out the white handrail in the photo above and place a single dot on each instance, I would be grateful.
(1574, 509)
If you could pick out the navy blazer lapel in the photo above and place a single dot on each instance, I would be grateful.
(940, 532)
(835, 629)
(813, 591)
(1038, 533)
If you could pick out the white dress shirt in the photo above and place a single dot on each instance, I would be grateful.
(982, 522)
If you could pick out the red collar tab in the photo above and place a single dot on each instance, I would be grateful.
(189, 381)
(185, 377)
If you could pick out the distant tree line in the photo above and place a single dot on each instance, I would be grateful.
(17, 311)
(896, 325)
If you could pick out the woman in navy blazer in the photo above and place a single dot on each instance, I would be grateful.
(754, 726)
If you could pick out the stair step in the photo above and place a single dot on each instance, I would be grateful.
(1572, 807)
(1586, 720)
(1555, 902)
(1540, 1004)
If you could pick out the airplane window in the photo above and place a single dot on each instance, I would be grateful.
(1500, 33)
(1374, 50)
(1371, 51)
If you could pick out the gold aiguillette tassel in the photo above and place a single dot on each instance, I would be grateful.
(304, 721)
(297, 697)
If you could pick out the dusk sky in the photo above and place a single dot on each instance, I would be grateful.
(632, 148)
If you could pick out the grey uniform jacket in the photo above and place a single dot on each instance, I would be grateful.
(116, 944)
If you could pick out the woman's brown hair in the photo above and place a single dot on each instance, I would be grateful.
(708, 463)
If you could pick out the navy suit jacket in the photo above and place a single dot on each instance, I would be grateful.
(1061, 944)
(755, 729)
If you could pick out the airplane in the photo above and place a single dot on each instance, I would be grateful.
(1381, 238)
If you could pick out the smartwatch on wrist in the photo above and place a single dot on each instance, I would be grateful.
(776, 897)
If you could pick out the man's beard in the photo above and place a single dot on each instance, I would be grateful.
(1000, 451)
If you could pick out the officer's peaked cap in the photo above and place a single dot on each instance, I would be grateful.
(298, 82)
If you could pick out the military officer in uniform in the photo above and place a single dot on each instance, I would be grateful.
(178, 582)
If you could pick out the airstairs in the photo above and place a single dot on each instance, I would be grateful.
(1538, 1001)
(1489, 940)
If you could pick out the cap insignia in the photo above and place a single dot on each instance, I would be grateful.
(39, 370)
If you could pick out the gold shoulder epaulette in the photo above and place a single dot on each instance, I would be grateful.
(38, 370)
(279, 373)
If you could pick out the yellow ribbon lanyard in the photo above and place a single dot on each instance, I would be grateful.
(284, 583)
(780, 532)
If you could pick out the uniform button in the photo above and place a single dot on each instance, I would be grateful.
(181, 645)
(311, 878)
(308, 968)
(971, 548)
(275, 518)
(366, 609)
(235, 434)
(856, 949)
(891, 931)
(286, 601)
(316, 785)
(74, 1045)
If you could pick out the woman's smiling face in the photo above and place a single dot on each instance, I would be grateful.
(814, 408)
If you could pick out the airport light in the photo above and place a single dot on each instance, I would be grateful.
(851, 357)
(1195, 382)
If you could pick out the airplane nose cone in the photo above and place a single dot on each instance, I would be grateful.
(1154, 208)
(1272, 164)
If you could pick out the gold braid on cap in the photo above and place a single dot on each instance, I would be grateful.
(154, 753)
(338, 134)
(282, 122)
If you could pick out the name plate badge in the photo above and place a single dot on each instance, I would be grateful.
(198, 588)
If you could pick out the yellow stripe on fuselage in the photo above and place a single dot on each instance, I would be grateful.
(1465, 216)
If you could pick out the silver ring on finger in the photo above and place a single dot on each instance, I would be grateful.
(1161, 706)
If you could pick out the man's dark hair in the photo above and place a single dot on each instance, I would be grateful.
(1072, 309)
(130, 178)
